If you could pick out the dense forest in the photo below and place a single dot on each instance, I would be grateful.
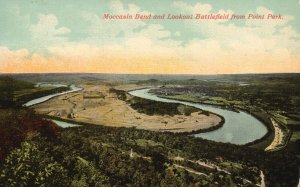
(8, 87)
(153, 107)
(14, 92)
(44, 154)
(36, 152)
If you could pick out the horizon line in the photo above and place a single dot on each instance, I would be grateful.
(191, 74)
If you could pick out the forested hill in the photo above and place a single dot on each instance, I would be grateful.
(107, 156)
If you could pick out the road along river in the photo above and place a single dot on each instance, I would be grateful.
(239, 128)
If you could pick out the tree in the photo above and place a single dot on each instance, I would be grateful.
(29, 166)
(6, 92)
(159, 160)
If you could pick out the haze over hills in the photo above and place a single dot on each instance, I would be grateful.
(136, 77)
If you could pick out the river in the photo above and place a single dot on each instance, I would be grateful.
(73, 88)
(239, 128)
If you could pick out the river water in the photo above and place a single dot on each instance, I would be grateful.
(239, 128)
(73, 88)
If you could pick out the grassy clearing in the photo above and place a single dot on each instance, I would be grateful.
(145, 143)
(295, 137)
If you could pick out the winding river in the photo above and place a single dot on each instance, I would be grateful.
(73, 88)
(239, 128)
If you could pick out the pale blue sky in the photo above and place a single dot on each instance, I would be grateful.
(50, 27)
(17, 15)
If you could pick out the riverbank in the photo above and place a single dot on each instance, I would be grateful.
(261, 143)
(23, 98)
(64, 90)
(97, 104)
(130, 88)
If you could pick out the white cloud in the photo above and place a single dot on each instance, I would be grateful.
(131, 38)
(259, 39)
(135, 45)
(46, 31)
(154, 31)
(8, 55)
(177, 33)
(221, 48)
(267, 24)
(200, 8)
(107, 31)
(197, 8)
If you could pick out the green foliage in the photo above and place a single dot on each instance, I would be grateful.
(15, 92)
(86, 174)
(6, 91)
(159, 161)
(8, 86)
(30, 166)
(119, 93)
(187, 110)
(150, 107)
(100, 156)
(264, 96)
(27, 96)
(19, 124)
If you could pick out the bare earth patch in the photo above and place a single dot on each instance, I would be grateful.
(278, 139)
(96, 105)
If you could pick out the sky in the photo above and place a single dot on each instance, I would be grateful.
(42, 36)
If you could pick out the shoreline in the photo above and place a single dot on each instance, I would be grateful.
(41, 94)
(125, 115)
(187, 132)
(56, 94)
(256, 143)
(49, 117)
(195, 131)
(209, 129)
(221, 123)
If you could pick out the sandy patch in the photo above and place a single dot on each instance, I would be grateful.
(96, 105)
(278, 139)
